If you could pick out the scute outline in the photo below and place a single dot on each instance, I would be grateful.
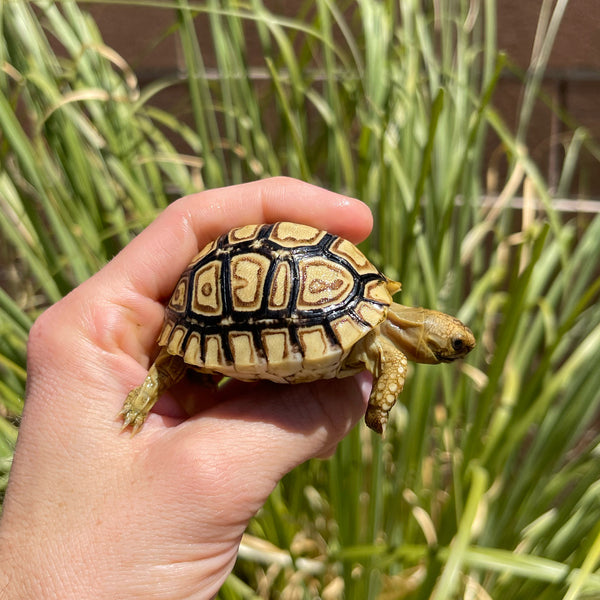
(263, 318)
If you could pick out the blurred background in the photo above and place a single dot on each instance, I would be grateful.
(471, 128)
(571, 80)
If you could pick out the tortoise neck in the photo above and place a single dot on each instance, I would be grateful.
(408, 328)
(427, 336)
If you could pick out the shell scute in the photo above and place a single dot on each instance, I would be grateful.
(165, 334)
(352, 254)
(348, 331)
(243, 234)
(179, 297)
(176, 340)
(193, 349)
(248, 275)
(206, 290)
(322, 283)
(281, 286)
(204, 251)
(243, 351)
(284, 302)
(321, 353)
(370, 313)
(214, 357)
(292, 235)
(378, 291)
(283, 356)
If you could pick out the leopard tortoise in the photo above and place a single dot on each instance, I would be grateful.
(290, 303)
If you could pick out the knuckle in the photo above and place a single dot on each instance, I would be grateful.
(40, 334)
(46, 341)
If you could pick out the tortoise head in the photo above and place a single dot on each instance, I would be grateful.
(427, 336)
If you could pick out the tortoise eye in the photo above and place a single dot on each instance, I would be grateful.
(458, 344)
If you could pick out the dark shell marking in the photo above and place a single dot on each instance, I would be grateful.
(284, 302)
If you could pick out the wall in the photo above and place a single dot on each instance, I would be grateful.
(572, 82)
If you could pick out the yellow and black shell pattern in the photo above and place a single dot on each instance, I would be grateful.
(284, 302)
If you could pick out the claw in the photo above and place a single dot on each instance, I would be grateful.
(131, 419)
(127, 416)
(127, 419)
(134, 411)
(163, 373)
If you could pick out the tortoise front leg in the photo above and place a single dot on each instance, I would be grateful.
(388, 366)
(389, 374)
(166, 371)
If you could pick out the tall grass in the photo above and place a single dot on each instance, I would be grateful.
(486, 483)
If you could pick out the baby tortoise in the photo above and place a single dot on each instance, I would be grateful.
(290, 303)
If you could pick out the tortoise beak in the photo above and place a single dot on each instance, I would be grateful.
(445, 359)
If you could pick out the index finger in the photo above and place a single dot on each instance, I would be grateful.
(153, 262)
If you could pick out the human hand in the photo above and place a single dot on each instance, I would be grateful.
(91, 512)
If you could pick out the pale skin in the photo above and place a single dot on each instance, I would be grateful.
(91, 512)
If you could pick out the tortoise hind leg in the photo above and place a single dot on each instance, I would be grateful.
(165, 372)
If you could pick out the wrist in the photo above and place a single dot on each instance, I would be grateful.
(25, 574)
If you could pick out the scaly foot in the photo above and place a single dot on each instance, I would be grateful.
(136, 407)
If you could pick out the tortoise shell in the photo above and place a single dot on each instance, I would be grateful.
(282, 301)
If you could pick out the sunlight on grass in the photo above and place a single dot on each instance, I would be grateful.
(486, 482)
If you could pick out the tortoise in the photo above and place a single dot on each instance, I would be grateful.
(291, 303)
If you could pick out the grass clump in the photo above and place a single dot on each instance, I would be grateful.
(486, 483)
